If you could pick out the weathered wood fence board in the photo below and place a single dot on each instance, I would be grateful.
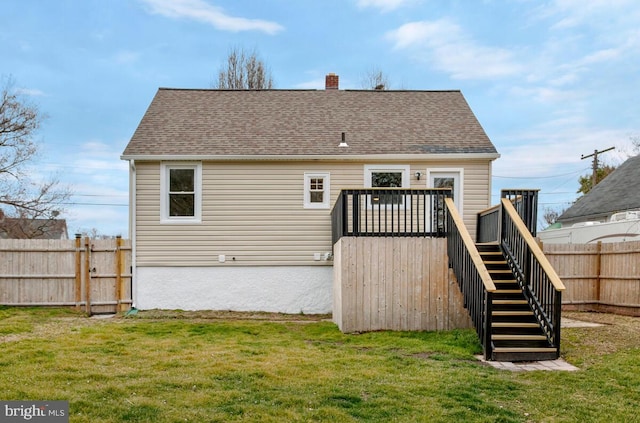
(395, 284)
(598, 277)
(93, 275)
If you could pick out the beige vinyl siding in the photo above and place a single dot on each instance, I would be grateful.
(254, 211)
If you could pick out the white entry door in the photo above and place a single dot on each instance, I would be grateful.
(448, 178)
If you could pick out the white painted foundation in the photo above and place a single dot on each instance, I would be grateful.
(284, 289)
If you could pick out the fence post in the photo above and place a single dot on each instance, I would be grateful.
(87, 275)
(598, 271)
(78, 283)
(119, 261)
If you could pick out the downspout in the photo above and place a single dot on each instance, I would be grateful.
(132, 231)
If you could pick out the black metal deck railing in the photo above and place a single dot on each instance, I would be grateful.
(488, 225)
(390, 212)
(525, 202)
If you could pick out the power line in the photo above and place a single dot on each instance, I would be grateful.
(540, 177)
(93, 204)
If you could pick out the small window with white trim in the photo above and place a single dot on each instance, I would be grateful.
(181, 192)
(317, 190)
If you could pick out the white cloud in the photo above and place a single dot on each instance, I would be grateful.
(447, 46)
(124, 57)
(314, 84)
(555, 148)
(31, 92)
(383, 5)
(570, 14)
(201, 11)
(545, 94)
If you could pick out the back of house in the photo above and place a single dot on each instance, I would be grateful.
(232, 191)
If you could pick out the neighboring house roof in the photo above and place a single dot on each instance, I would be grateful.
(20, 228)
(212, 123)
(615, 193)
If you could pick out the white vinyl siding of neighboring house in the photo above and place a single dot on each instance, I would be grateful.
(254, 213)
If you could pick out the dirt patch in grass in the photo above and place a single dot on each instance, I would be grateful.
(54, 327)
(584, 345)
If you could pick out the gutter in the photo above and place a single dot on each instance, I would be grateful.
(307, 157)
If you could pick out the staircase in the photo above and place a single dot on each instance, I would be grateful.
(516, 334)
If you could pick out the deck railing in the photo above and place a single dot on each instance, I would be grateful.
(525, 201)
(390, 212)
(473, 278)
(540, 284)
(488, 225)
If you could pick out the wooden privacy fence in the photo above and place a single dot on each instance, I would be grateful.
(598, 277)
(90, 274)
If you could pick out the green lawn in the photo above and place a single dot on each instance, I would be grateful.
(199, 367)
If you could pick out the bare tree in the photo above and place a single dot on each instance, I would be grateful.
(20, 196)
(551, 215)
(374, 79)
(244, 71)
(635, 140)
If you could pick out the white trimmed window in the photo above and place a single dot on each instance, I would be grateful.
(181, 192)
(386, 176)
(317, 190)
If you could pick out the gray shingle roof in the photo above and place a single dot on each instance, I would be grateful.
(617, 192)
(306, 122)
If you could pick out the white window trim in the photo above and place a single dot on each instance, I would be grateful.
(326, 203)
(164, 193)
(406, 181)
(458, 175)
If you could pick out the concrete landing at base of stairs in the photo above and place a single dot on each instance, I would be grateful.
(527, 366)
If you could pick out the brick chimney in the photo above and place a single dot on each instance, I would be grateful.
(331, 82)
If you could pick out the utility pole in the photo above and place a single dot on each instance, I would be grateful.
(595, 164)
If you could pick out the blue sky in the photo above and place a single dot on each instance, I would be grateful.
(548, 80)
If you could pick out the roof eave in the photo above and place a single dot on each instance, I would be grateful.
(310, 157)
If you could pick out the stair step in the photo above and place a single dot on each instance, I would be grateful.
(512, 313)
(500, 271)
(507, 291)
(505, 337)
(510, 302)
(523, 349)
(515, 325)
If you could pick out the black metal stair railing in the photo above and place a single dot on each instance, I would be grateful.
(473, 277)
(540, 284)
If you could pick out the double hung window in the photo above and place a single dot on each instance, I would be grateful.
(181, 190)
(317, 190)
